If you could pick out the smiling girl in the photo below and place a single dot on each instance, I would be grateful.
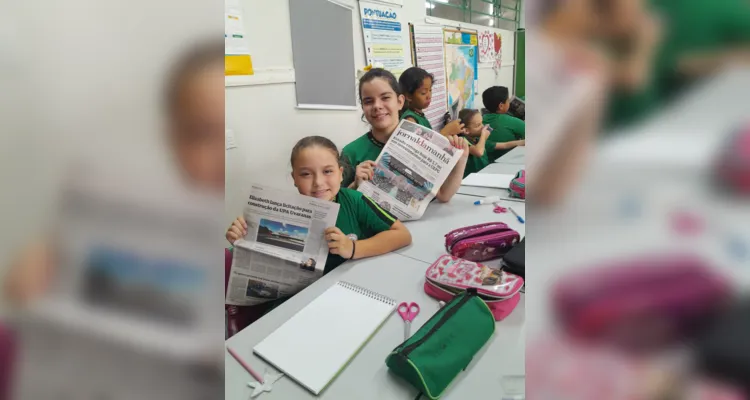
(363, 229)
(382, 100)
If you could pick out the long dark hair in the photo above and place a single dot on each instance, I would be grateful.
(412, 80)
(379, 73)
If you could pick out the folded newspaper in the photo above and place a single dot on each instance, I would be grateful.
(285, 248)
(517, 108)
(410, 170)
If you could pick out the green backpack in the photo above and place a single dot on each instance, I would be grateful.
(445, 345)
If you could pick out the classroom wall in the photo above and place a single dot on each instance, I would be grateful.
(263, 117)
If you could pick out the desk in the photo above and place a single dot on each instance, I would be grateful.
(428, 241)
(515, 156)
(510, 163)
(502, 168)
(367, 376)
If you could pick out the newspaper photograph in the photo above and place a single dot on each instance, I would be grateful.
(285, 248)
(410, 170)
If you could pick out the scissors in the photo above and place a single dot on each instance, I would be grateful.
(499, 209)
(408, 311)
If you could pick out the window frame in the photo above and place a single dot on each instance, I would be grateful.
(467, 12)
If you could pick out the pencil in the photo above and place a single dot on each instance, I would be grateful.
(245, 365)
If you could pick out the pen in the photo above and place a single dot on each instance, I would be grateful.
(245, 365)
(488, 200)
(520, 219)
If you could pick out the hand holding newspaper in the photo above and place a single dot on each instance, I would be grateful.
(284, 250)
(410, 170)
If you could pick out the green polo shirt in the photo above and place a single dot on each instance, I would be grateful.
(418, 117)
(474, 163)
(505, 128)
(358, 215)
(690, 27)
(364, 148)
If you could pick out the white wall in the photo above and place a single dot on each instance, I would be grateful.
(264, 119)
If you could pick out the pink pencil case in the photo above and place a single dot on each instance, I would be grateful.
(481, 242)
(449, 276)
(517, 187)
(642, 301)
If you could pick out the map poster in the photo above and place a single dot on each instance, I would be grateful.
(386, 37)
(460, 66)
(486, 46)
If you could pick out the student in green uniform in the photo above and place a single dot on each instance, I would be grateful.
(507, 131)
(363, 229)
(416, 85)
(668, 45)
(478, 137)
(381, 100)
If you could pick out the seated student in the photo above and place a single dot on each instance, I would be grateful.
(416, 85)
(478, 137)
(381, 100)
(363, 229)
(507, 131)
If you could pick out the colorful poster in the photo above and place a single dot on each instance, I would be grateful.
(386, 37)
(430, 56)
(461, 64)
(486, 46)
(237, 60)
(498, 53)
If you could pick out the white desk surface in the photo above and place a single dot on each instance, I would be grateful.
(428, 241)
(515, 156)
(502, 168)
(510, 163)
(366, 376)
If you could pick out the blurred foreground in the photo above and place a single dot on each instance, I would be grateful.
(111, 280)
(663, 183)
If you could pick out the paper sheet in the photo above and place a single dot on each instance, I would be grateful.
(385, 36)
(500, 181)
(429, 54)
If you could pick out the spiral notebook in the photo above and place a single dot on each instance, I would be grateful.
(319, 341)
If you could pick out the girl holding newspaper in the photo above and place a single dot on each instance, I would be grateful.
(382, 100)
(363, 229)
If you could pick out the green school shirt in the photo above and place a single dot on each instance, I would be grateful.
(358, 215)
(505, 128)
(364, 148)
(690, 27)
(418, 116)
(474, 163)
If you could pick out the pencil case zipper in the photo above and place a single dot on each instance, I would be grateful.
(457, 235)
(443, 319)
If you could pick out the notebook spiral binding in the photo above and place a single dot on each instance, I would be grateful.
(367, 292)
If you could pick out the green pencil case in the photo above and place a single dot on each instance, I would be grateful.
(445, 345)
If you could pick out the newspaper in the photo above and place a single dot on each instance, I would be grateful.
(410, 170)
(284, 250)
(517, 108)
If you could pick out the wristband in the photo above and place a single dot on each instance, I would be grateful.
(354, 248)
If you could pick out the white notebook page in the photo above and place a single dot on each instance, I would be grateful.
(500, 181)
(317, 342)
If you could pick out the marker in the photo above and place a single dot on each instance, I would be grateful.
(245, 365)
(488, 200)
(520, 219)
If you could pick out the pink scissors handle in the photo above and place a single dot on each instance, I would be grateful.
(408, 311)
